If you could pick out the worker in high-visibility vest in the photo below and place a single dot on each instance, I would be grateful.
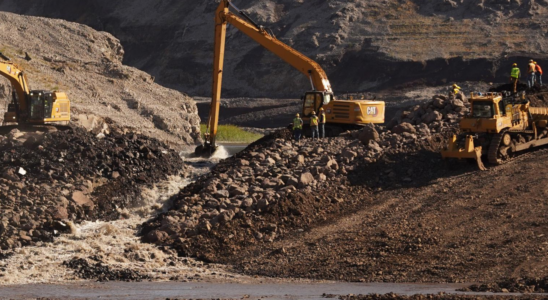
(514, 76)
(456, 89)
(323, 120)
(314, 122)
(297, 127)
(538, 69)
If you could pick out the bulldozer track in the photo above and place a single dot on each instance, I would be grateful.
(492, 155)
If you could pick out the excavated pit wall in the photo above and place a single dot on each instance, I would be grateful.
(363, 45)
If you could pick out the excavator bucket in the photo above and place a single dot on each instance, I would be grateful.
(469, 151)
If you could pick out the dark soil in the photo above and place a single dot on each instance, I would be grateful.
(50, 178)
(433, 297)
(513, 285)
(101, 272)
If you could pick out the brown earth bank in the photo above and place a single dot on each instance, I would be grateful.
(433, 297)
(50, 179)
(362, 44)
(373, 205)
(87, 65)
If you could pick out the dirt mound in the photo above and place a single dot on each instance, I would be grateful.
(508, 87)
(513, 285)
(101, 272)
(430, 296)
(277, 188)
(48, 179)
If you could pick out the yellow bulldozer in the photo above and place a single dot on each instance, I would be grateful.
(499, 126)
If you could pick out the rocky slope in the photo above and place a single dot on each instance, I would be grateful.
(87, 65)
(362, 44)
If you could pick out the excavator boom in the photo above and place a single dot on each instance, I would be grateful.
(349, 112)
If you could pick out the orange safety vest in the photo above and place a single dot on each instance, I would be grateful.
(539, 69)
(323, 119)
(531, 68)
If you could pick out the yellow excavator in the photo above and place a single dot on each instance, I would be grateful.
(498, 126)
(340, 112)
(36, 107)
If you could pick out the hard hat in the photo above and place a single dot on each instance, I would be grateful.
(514, 65)
(321, 109)
(297, 115)
(313, 112)
(530, 60)
(535, 62)
(454, 85)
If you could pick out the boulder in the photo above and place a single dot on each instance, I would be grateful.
(306, 179)
(404, 127)
(347, 153)
(59, 213)
(374, 146)
(10, 174)
(155, 237)
(221, 194)
(82, 200)
(431, 117)
(368, 133)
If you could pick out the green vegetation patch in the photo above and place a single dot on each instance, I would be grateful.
(232, 133)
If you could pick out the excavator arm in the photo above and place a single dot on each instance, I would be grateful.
(305, 65)
(18, 81)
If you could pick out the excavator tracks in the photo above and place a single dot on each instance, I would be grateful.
(34, 128)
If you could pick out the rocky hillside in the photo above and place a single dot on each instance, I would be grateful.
(363, 44)
(87, 65)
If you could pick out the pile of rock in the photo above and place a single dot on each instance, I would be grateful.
(253, 183)
(47, 179)
(414, 128)
(440, 113)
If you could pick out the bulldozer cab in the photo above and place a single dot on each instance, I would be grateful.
(487, 105)
(313, 101)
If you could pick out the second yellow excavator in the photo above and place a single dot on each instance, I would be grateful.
(28, 107)
(351, 112)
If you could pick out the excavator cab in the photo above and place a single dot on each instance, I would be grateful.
(312, 101)
(37, 105)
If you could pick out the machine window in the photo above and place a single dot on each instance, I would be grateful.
(309, 104)
(327, 99)
(482, 109)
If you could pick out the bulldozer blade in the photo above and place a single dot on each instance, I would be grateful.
(481, 166)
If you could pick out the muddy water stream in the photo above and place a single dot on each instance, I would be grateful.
(115, 242)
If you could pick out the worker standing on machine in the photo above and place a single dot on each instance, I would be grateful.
(514, 76)
(531, 72)
(314, 125)
(297, 127)
(456, 89)
(323, 120)
(538, 69)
